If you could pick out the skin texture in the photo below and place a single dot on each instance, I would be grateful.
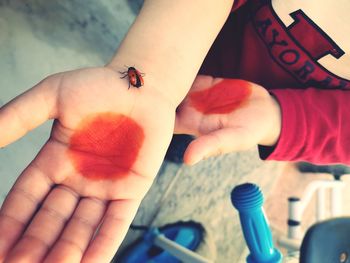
(112, 141)
(226, 116)
(222, 98)
(76, 199)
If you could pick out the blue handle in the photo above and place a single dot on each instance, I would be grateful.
(248, 200)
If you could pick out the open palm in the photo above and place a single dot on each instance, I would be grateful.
(226, 115)
(77, 198)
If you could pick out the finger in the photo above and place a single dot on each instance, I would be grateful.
(215, 143)
(181, 124)
(187, 119)
(117, 220)
(45, 227)
(76, 236)
(20, 205)
(28, 111)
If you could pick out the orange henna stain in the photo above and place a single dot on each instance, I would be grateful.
(223, 97)
(105, 146)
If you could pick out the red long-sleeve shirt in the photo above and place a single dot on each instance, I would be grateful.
(287, 52)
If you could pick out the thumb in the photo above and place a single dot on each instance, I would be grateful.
(181, 127)
(218, 142)
(27, 111)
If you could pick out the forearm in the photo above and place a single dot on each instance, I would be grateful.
(169, 40)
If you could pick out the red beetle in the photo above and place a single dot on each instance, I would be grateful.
(134, 76)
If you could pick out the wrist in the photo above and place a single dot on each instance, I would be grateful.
(157, 76)
(275, 121)
(168, 42)
(149, 87)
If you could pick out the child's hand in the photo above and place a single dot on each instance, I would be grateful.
(106, 146)
(227, 115)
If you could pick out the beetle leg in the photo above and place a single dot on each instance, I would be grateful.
(123, 73)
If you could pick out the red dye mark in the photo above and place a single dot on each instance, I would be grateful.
(223, 97)
(105, 146)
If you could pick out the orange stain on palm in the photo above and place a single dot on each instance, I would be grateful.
(105, 146)
(223, 97)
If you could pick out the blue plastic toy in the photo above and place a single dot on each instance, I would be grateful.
(248, 200)
(188, 235)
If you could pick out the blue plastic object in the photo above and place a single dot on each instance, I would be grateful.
(186, 234)
(248, 200)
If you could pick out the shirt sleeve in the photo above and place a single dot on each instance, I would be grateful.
(315, 126)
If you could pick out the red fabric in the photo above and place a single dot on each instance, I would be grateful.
(315, 126)
(237, 4)
(255, 45)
